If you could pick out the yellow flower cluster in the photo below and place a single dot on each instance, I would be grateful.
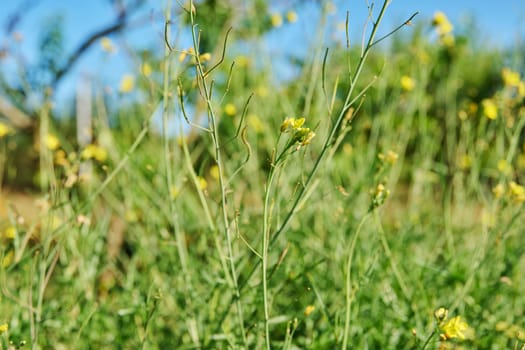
(510, 77)
(96, 152)
(511, 331)
(379, 195)
(390, 157)
(516, 192)
(204, 57)
(184, 53)
(276, 19)
(444, 28)
(300, 135)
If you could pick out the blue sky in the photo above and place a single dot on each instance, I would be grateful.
(500, 23)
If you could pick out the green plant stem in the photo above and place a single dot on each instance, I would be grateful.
(328, 141)
(348, 102)
(173, 217)
(428, 339)
(348, 285)
(265, 249)
(202, 75)
(393, 263)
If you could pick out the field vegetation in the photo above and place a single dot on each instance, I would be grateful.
(372, 201)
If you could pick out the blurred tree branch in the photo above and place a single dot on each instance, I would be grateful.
(121, 22)
(14, 111)
(14, 19)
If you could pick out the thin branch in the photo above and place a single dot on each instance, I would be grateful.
(405, 23)
(120, 24)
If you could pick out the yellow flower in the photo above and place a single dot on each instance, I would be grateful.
(61, 158)
(447, 40)
(454, 328)
(309, 309)
(517, 192)
(445, 28)
(390, 157)
(10, 232)
(146, 69)
(442, 24)
(298, 123)
(127, 83)
(379, 195)
(182, 56)
(184, 53)
(292, 124)
(8, 259)
(203, 184)
(214, 172)
(287, 124)
(107, 45)
(441, 314)
(303, 136)
(92, 151)
(521, 89)
(4, 130)
(490, 110)
(3, 328)
(504, 167)
(52, 142)
(230, 109)
(277, 20)
(205, 57)
(498, 190)
(439, 18)
(291, 16)
(407, 83)
(510, 77)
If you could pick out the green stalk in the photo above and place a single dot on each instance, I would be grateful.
(173, 217)
(222, 183)
(327, 144)
(348, 286)
(265, 248)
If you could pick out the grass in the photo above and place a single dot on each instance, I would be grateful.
(249, 231)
